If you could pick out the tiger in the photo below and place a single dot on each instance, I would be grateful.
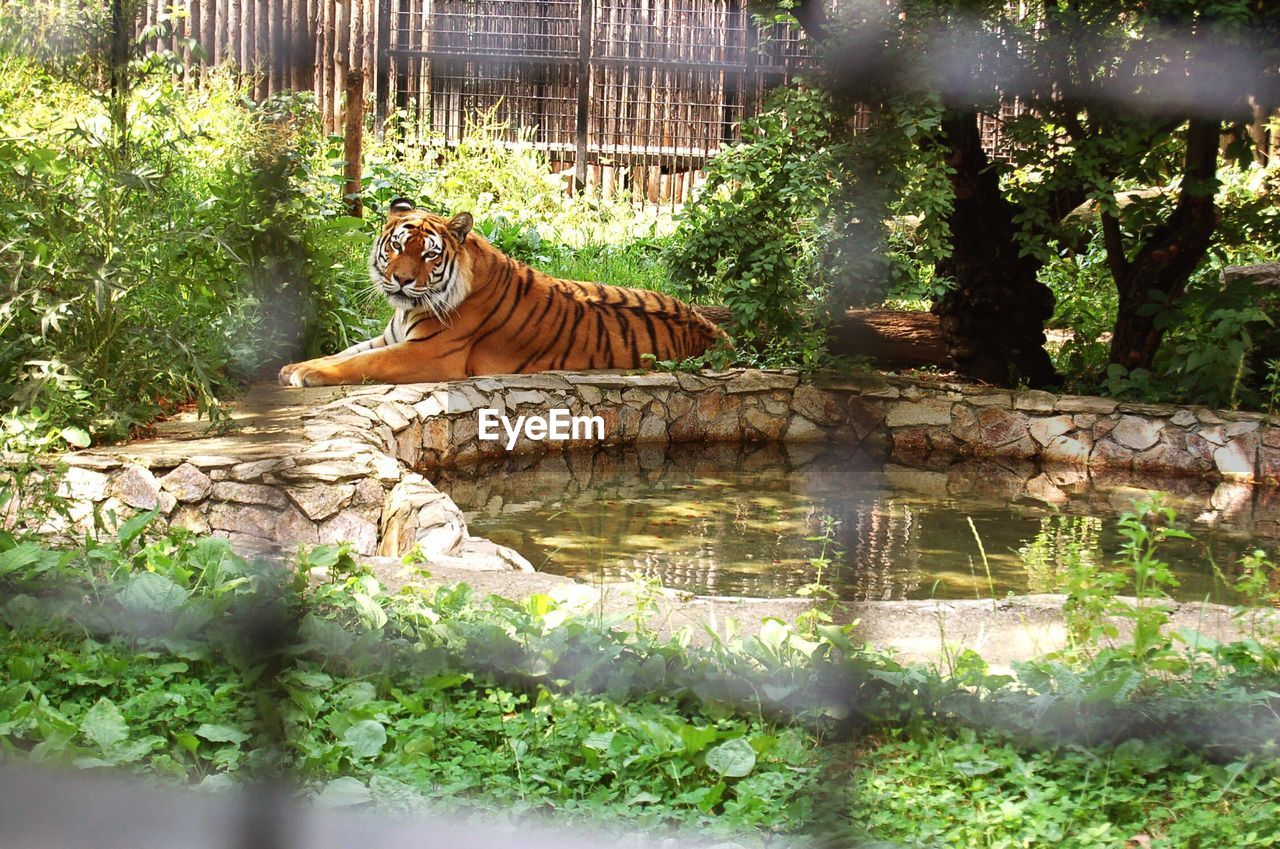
(463, 308)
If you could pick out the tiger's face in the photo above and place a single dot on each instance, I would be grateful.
(415, 262)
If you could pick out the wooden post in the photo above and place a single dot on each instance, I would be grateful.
(353, 138)
(585, 25)
(382, 83)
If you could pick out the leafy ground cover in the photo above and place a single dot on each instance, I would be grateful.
(172, 656)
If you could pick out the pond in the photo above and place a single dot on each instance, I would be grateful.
(767, 521)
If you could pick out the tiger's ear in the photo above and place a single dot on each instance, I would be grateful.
(399, 205)
(460, 226)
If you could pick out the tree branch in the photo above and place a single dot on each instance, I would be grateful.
(1113, 241)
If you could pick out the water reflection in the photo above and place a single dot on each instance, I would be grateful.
(749, 521)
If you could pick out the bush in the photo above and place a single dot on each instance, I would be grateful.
(1216, 350)
(148, 266)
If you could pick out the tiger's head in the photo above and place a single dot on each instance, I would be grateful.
(416, 260)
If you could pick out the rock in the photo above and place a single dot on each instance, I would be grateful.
(1137, 433)
(724, 428)
(942, 442)
(212, 461)
(244, 519)
(389, 415)
(997, 427)
(1208, 417)
(1035, 401)
(1269, 466)
(693, 382)
(1271, 437)
(321, 501)
(187, 483)
(136, 487)
(1046, 429)
(687, 428)
(350, 527)
(249, 493)
(1169, 460)
(881, 390)
(432, 405)
(910, 442)
(653, 380)
(1237, 460)
(293, 528)
(1108, 455)
(1067, 451)
(928, 412)
(652, 429)
(255, 471)
(329, 471)
(864, 415)
(191, 519)
(409, 444)
(1231, 498)
(1085, 421)
(710, 405)
(992, 399)
(759, 381)
(1238, 428)
(1086, 404)
(80, 484)
(800, 429)
(817, 406)
(1214, 434)
(481, 555)
(523, 396)
(1183, 418)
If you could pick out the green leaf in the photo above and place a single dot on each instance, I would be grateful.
(221, 733)
(732, 759)
(365, 739)
(131, 529)
(104, 725)
(343, 792)
(148, 592)
(76, 437)
(599, 740)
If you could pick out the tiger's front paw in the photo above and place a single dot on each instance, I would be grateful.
(302, 374)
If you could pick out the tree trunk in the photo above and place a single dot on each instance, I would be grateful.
(993, 320)
(1167, 259)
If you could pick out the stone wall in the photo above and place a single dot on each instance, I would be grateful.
(356, 470)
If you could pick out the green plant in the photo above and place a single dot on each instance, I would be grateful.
(776, 186)
(819, 591)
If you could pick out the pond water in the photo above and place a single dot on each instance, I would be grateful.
(763, 521)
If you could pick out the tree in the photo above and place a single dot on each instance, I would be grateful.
(1105, 93)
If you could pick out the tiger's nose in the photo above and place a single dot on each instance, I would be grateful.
(402, 281)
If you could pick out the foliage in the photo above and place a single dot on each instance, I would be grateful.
(146, 262)
(753, 238)
(964, 788)
(1218, 335)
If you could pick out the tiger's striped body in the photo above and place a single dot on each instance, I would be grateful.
(464, 308)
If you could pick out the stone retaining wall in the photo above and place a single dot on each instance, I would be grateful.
(358, 475)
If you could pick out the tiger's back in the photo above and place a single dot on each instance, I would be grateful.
(464, 308)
